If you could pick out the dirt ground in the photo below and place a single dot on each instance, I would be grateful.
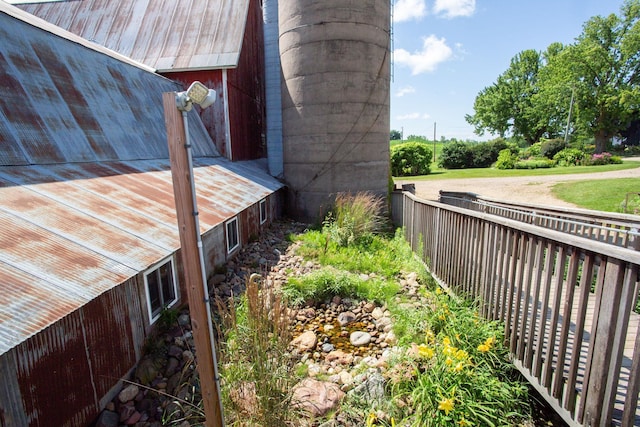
(526, 189)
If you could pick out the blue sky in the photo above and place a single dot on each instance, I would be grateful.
(447, 51)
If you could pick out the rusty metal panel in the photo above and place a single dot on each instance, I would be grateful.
(55, 377)
(65, 103)
(168, 35)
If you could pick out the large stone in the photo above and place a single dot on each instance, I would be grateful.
(305, 341)
(245, 398)
(359, 338)
(128, 393)
(108, 419)
(339, 357)
(346, 317)
(316, 397)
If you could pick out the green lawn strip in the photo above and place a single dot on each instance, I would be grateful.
(602, 194)
(438, 174)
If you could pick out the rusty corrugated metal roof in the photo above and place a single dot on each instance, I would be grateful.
(86, 194)
(64, 103)
(70, 232)
(168, 35)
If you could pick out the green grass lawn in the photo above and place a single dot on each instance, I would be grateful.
(602, 194)
(437, 174)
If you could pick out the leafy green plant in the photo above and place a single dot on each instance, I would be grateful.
(411, 159)
(550, 147)
(534, 164)
(506, 159)
(485, 154)
(456, 155)
(569, 157)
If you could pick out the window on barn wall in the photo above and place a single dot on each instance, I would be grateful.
(233, 240)
(263, 211)
(160, 283)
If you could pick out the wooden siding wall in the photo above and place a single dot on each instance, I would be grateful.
(212, 117)
(566, 303)
(247, 110)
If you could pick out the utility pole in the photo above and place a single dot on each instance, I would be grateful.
(198, 299)
(434, 141)
(566, 129)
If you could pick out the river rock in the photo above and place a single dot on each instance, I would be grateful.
(316, 397)
(305, 341)
(359, 338)
(346, 317)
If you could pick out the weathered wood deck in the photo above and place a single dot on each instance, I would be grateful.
(566, 299)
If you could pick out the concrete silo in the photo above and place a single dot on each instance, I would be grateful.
(335, 57)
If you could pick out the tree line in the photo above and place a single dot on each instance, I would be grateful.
(587, 89)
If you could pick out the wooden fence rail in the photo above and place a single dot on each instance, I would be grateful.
(566, 302)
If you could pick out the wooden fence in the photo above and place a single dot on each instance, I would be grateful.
(566, 302)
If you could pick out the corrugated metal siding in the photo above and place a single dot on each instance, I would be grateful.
(70, 232)
(168, 35)
(64, 103)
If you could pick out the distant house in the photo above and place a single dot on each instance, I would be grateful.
(219, 42)
(88, 233)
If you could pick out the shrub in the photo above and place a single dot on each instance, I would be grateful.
(410, 159)
(486, 153)
(569, 157)
(506, 159)
(601, 159)
(534, 164)
(534, 150)
(456, 155)
(551, 147)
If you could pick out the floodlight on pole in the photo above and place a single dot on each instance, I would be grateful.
(191, 241)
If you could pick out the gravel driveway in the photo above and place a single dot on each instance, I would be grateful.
(527, 189)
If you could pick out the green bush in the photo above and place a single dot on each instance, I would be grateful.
(506, 159)
(601, 159)
(486, 153)
(549, 148)
(410, 159)
(569, 157)
(534, 150)
(456, 155)
(534, 164)
(354, 218)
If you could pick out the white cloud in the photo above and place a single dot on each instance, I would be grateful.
(413, 116)
(434, 51)
(455, 8)
(406, 10)
(405, 90)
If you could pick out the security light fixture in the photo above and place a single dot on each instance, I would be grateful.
(197, 93)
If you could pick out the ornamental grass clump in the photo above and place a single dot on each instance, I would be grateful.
(355, 218)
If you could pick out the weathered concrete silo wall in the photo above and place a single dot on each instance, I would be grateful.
(335, 100)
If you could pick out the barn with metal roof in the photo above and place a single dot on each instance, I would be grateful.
(88, 230)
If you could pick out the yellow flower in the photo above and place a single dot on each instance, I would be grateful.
(446, 341)
(461, 355)
(459, 367)
(429, 337)
(490, 341)
(371, 419)
(463, 422)
(449, 361)
(446, 405)
(442, 317)
(425, 351)
(438, 291)
(483, 348)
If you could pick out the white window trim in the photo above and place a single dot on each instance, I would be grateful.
(262, 203)
(226, 233)
(176, 288)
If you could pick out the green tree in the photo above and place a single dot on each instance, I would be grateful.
(395, 135)
(602, 69)
(511, 104)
